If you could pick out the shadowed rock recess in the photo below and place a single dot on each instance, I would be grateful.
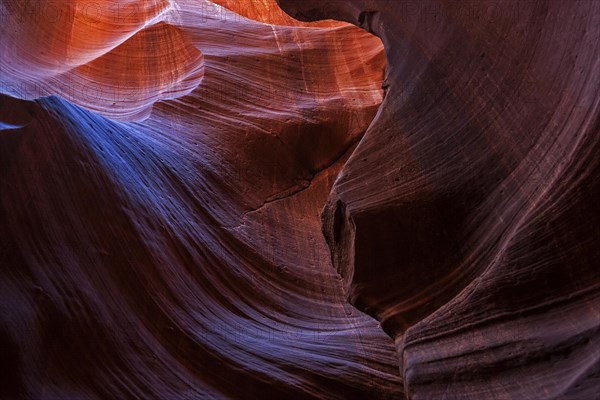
(259, 199)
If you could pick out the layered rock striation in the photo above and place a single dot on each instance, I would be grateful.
(169, 246)
(465, 220)
(221, 200)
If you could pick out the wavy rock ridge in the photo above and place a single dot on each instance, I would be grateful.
(163, 171)
(464, 221)
(180, 256)
(116, 59)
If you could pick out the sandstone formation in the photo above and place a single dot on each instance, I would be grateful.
(466, 219)
(221, 200)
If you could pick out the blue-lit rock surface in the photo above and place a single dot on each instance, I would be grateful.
(178, 253)
(206, 202)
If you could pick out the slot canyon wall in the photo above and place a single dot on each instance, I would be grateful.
(299, 199)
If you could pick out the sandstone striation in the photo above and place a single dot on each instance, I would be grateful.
(258, 199)
(465, 220)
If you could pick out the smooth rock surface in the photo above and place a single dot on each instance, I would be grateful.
(466, 220)
(200, 199)
(181, 255)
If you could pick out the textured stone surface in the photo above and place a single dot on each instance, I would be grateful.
(180, 181)
(181, 255)
(466, 219)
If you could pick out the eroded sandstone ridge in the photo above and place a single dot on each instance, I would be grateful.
(466, 221)
(167, 244)
(164, 166)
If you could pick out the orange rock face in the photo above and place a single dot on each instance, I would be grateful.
(167, 244)
(217, 199)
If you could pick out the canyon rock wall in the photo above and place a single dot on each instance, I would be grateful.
(169, 246)
(221, 200)
(465, 221)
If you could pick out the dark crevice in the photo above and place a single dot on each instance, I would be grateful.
(338, 221)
